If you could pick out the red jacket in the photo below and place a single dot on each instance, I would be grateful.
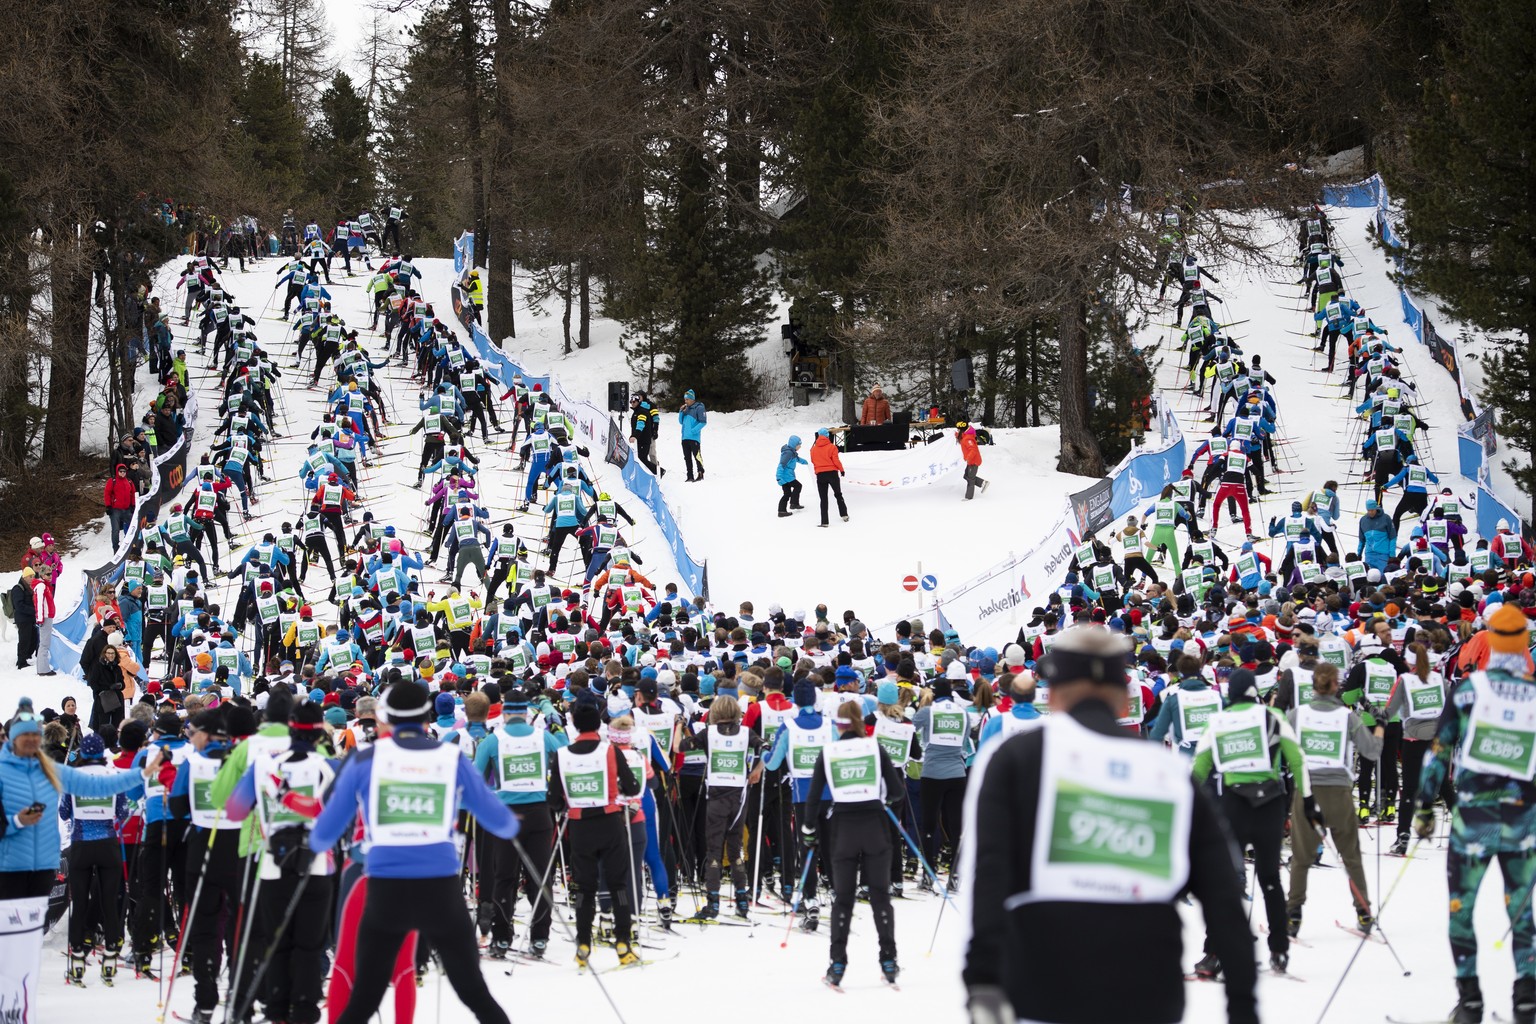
(42, 600)
(119, 493)
(968, 447)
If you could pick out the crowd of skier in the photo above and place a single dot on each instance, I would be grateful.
(305, 748)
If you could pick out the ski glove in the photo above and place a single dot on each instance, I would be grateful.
(808, 835)
(988, 1004)
(1313, 813)
(1424, 822)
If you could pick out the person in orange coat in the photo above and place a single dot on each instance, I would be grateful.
(877, 409)
(828, 466)
(971, 452)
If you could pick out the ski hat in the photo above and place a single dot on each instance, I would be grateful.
(36, 543)
(168, 724)
(586, 713)
(335, 717)
(406, 701)
(1296, 507)
(956, 671)
(688, 395)
(22, 726)
(823, 432)
(887, 693)
(444, 705)
(1242, 687)
(92, 747)
(1013, 657)
(1508, 630)
(805, 694)
(794, 440)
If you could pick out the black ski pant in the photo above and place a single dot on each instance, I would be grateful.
(1262, 828)
(693, 465)
(1391, 743)
(215, 874)
(942, 800)
(434, 908)
(295, 975)
(1413, 502)
(789, 496)
(861, 844)
(830, 481)
(95, 891)
(537, 837)
(722, 834)
(600, 841)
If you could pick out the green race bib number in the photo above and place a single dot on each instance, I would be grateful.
(202, 796)
(896, 747)
(521, 767)
(410, 803)
(1234, 746)
(1091, 827)
(855, 771)
(584, 785)
(1427, 699)
(1327, 745)
(805, 758)
(1507, 748)
(726, 762)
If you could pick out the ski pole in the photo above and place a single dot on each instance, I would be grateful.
(942, 890)
(246, 915)
(1362, 901)
(804, 876)
(569, 931)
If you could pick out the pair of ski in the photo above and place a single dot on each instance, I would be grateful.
(838, 988)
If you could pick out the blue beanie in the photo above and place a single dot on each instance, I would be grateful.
(706, 685)
(845, 674)
(317, 696)
(443, 705)
(887, 693)
(23, 726)
(91, 746)
(805, 694)
(649, 672)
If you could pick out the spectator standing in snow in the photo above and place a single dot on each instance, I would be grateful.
(691, 417)
(971, 452)
(643, 428)
(877, 409)
(828, 466)
(119, 498)
(25, 614)
(789, 487)
(42, 605)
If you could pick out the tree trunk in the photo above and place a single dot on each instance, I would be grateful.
(584, 281)
(565, 319)
(1020, 377)
(70, 280)
(989, 400)
(1079, 450)
(500, 299)
(845, 368)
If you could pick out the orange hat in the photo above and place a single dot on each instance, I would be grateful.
(1509, 630)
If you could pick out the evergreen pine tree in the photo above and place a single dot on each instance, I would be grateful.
(1468, 208)
(341, 164)
(272, 136)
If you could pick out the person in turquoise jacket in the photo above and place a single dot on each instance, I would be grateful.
(30, 787)
(784, 476)
(691, 417)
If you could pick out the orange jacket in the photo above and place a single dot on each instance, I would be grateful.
(824, 456)
(968, 447)
(875, 412)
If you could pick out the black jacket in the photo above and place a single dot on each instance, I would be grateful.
(1092, 962)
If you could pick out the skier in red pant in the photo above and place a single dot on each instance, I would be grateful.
(1234, 487)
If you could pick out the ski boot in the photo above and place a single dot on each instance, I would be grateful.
(954, 882)
(810, 916)
(1469, 1002)
(202, 1016)
(1364, 921)
(925, 883)
(1525, 1001)
(710, 910)
(1388, 813)
(109, 967)
(861, 895)
(583, 954)
(1400, 848)
(143, 965)
(627, 955)
(74, 974)
(1365, 815)
(485, 913)
(743, 903)
(1209, 967)
(787, 895)
(537, 950)
(604, 931)
(898, 891)
(499, 950)
(1278, 962)
(834, 976)
(664, 912)
(890, 971)
(1293, 922)
(185, 970)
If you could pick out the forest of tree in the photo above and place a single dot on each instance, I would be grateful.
(919, 180)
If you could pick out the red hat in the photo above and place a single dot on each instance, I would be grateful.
(538, 387)
(332, 698)
(153, 686)
(306, 610)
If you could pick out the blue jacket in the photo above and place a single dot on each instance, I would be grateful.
(789, 458)
(349, 797)
(1376, 539)
(22, 783)
(994, 725)
(489, 748)
(692, 420)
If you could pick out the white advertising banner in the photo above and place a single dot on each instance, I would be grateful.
(21, 958)
(911, 467)
(990, 608)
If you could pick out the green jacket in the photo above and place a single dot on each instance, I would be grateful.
(1282, 744)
